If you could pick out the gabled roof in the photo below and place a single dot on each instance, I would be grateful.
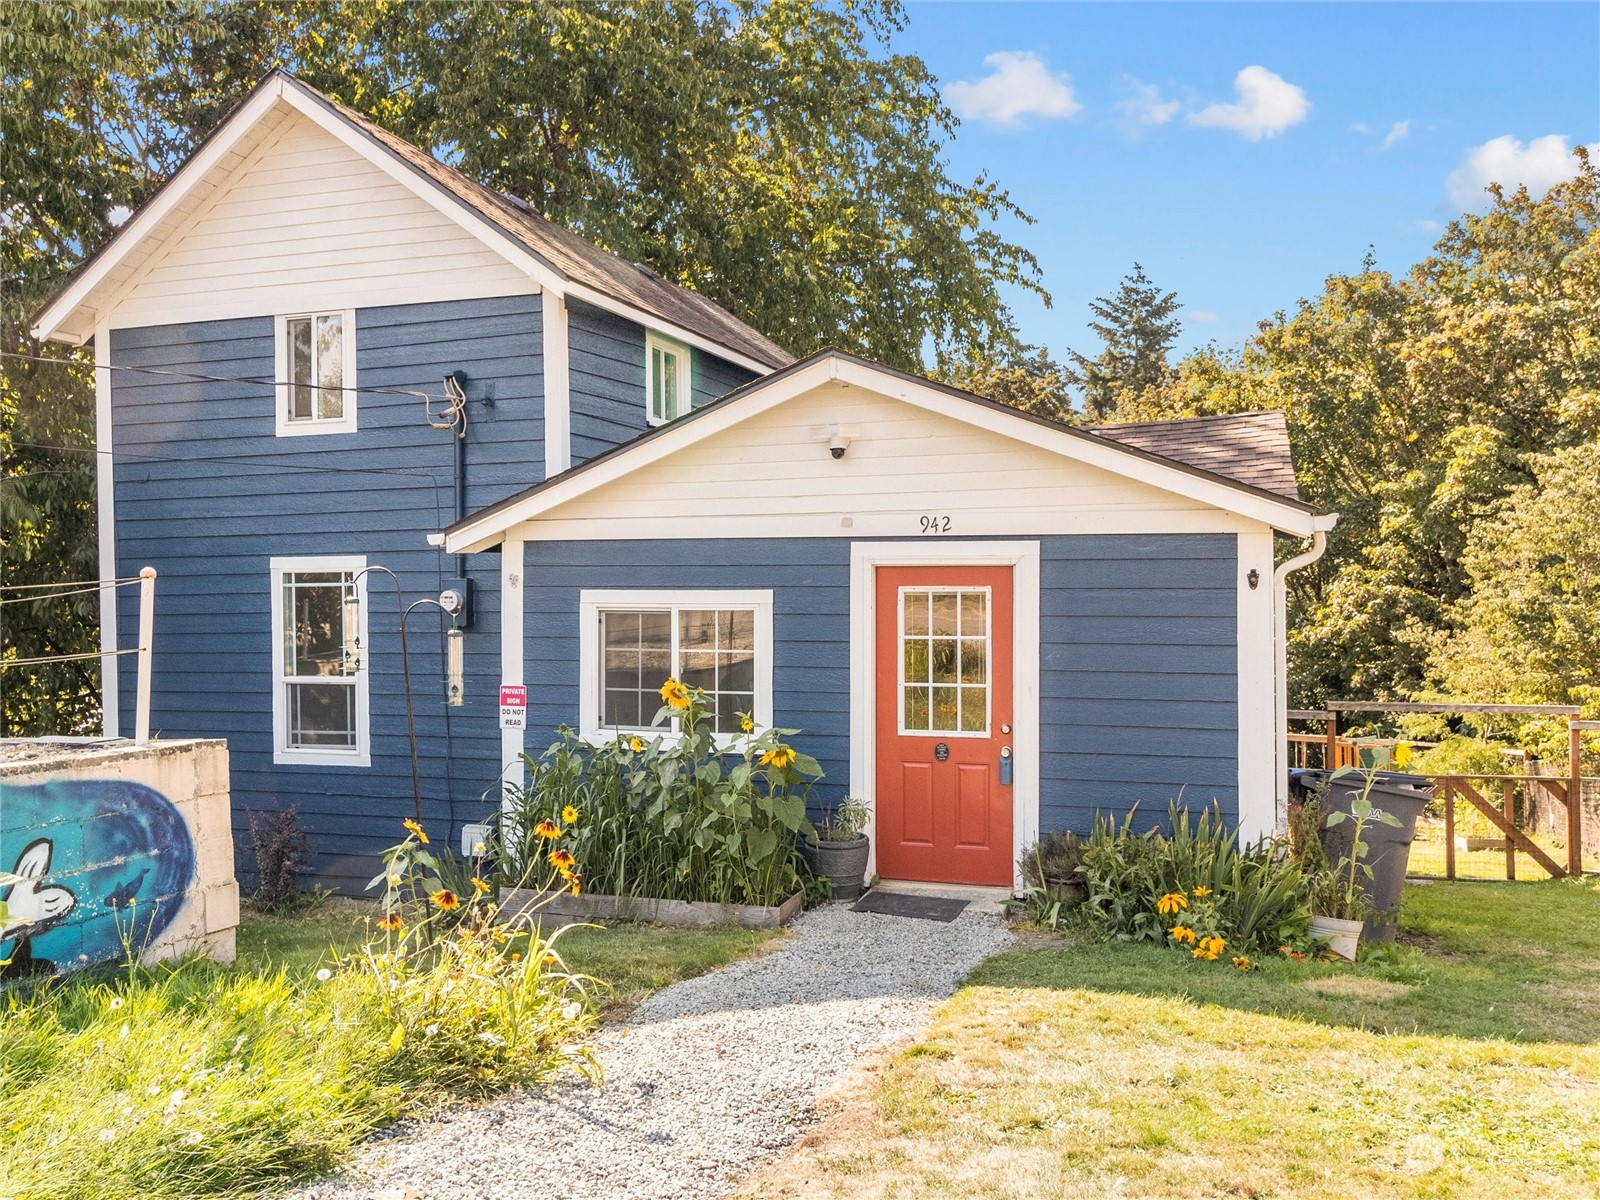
(578, 268)
(1287, 513)
(1250, 447)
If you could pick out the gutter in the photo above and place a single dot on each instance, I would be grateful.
(1280, 684)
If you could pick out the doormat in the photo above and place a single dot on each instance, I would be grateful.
(899, 904)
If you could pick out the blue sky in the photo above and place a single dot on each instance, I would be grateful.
(1243, 152)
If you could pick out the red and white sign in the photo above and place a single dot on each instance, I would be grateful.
(513, 706)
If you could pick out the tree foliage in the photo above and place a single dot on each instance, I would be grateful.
(1137, 327)
(1026, 378)
(1416, 405)
(780, 157)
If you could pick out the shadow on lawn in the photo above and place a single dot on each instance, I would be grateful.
(1513, 961)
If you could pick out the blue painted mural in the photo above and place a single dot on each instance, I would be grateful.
(100, 864)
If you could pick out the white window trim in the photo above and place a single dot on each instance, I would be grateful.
(655, 341)
(592, 602)
(330, 756)
(280, 374)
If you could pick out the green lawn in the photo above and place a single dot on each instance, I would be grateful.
(1466, 1064)
(631, 960)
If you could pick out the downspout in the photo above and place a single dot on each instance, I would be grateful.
(1280, 674)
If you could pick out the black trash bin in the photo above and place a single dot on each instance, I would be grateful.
(1388, 846)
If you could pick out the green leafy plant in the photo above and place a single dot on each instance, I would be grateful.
(675, 817)
(430, 882)
(1052, 880)
(1341, 892)
(1195, 877)
(846, 821)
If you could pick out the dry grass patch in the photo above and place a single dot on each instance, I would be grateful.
(1469, 1073)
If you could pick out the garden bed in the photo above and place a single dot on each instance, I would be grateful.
(688, 913)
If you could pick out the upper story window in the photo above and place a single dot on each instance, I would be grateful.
(666, 378)
(316, 370)
(319, 701)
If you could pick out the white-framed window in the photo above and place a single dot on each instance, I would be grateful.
(316, 372)
(631, 642)
(666, 382)
(944, 661)
(319, 668)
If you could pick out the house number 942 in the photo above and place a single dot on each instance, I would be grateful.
(931, 524)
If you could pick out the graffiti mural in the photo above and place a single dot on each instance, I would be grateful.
(98, 865)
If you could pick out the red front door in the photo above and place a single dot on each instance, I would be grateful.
(944, 724)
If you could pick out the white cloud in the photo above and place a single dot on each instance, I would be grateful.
(1398, 132)
(1504, 160)
(1201, 316)
(1429, 225)
(1361, 127)
(1265, 105)
(1019, 86)
(1144, 107)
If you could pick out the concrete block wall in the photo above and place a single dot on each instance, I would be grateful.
(116, 846)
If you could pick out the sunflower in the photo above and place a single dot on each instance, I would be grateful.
(675, 694)
(390, 921)
(746, 724)
(778, 756)
(547, 829)
(636, 745)
(446, 899)
(413, 827)
(569, 815)
(561, 860)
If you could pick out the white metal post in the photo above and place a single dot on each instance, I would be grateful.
(147, 629)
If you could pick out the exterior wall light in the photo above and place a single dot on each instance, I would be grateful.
(1254, 579)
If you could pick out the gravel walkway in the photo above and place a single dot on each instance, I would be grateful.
(706, 1079)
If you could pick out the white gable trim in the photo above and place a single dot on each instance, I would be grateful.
(491, 527)
(280, 90)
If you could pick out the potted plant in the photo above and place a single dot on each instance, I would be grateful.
(1339, 895)
(839, 853)
(1052, 877)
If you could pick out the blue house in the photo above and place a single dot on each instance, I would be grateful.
(335, 375)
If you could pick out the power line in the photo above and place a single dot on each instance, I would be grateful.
(195, 377)
(89, 584)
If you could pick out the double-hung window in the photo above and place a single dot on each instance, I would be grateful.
(666, 368)
(316, 373)
(633, 641)
(319, 669)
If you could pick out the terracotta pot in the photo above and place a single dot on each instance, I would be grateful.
(1342, 936)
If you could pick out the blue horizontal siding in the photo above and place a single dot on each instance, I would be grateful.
(1137, 641)
(607, 379)
(207, 494)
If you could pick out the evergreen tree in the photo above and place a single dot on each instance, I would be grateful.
(1137, 328)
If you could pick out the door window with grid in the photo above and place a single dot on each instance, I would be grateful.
(713, 649)
(944, 660)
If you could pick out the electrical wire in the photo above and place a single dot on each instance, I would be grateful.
(88, 584)
(195, 377)
(34, 662)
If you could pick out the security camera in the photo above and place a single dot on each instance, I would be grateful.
(839, 439)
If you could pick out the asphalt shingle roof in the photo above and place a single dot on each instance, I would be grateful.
(1252, 448)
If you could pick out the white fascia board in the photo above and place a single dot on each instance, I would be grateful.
(145, 222)
(1085, 448)
(1107, 455)
(588, 295)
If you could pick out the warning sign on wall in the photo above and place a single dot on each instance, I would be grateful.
(513, 706)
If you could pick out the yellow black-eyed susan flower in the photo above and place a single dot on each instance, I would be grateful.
(1172, 902)
(390, 921)
(446, 899)
(547, 829)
